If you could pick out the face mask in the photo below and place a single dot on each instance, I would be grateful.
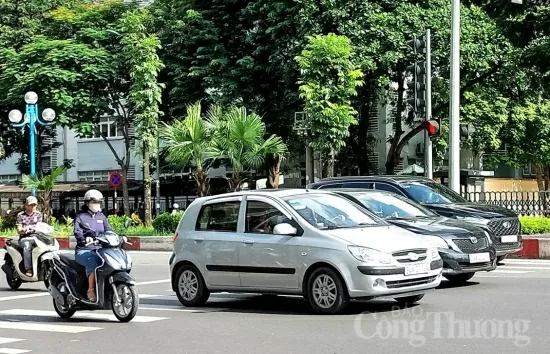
(95, 208)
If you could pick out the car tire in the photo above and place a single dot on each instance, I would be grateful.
(459, 279)
(409, 300)
(190, 287)
(326, 292)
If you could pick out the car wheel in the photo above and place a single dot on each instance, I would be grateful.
(500, 259)
(191, 288)
(325, 292)
(459, 278)
(409, 300)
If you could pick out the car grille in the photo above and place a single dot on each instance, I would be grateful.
(506, 246)
(466, 266)
(467, 246)
(498, 228)
(403, 256)
(410, 282)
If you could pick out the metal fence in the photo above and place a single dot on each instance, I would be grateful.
(522, 203)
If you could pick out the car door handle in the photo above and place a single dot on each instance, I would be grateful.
(248, 242)
(198, 239)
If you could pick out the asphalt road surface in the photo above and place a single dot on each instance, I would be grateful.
(505, 311)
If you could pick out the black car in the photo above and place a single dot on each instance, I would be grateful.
(464, 248)
(503, 224)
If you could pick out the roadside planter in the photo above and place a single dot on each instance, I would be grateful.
(139, 243)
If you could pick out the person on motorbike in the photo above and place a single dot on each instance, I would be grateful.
(26, 224)
(85, 252)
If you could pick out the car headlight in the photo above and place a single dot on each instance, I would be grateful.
(436, 241)
(369, 255)
(434, 254)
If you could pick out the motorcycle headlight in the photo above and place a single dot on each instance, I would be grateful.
(436, 241)
(369, 255)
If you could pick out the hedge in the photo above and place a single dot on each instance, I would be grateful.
(533, 225)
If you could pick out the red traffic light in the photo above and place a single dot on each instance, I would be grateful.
(431, 126)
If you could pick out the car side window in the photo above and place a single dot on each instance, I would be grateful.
(364, 185)
(262, 217)
(387, 187)
(222, 217)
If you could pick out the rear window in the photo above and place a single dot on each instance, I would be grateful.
(221, 217)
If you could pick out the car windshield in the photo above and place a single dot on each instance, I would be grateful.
(327, 211)
(388, 206)
(431, 193)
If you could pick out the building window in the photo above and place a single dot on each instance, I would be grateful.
(9, 178)
(108, 128)
(93, 176)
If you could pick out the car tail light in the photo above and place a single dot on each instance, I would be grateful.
(175, 236)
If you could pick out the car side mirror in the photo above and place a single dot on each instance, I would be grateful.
(284, 229)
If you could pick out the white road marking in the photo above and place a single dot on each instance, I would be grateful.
(527, 267)
(43, 327)
(4, 340)
(26, 296)
(159, 297)
(510, 271)
(169, 309)
(87, 315)
(13, 351)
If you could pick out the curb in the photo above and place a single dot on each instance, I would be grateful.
(146, 243)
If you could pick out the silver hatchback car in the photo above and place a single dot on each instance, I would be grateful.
(298, 242)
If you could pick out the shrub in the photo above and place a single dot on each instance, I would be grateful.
(166, 222)
(117, 222)
(8, 222)
(532, 225)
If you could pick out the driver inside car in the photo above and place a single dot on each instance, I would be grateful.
(85, 252)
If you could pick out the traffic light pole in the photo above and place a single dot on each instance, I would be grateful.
(454, 105)
(428, 164)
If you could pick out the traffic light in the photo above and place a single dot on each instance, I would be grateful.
(432, 127)
(466, 131)
(418, 85)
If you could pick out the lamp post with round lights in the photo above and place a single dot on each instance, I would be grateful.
(31, 118)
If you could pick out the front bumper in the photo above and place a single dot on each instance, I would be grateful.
(459, 262)
(369, 282)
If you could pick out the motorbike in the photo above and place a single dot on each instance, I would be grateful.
(115, 288)
(42, 255)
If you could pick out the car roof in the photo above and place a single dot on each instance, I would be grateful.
(397, 179)
(281, 193)
(357, 191)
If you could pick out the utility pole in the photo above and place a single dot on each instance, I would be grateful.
(454, 105)
(428, 156)
(157, 193)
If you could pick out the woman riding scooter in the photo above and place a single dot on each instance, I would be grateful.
(85, 253)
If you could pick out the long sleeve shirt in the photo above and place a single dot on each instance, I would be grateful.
(98, 223)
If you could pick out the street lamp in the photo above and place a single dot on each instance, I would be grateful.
(31, 118)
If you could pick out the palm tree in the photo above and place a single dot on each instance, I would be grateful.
(240, 137)
(45, 186)
(190, 140)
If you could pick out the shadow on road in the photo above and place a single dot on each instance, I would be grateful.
(449, 285)
(275, 305)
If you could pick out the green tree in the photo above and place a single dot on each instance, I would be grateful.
(191, 141)
(140, 51)
(329, 81)
(44, 186)
(239, 137)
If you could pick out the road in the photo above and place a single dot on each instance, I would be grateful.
(504, 311)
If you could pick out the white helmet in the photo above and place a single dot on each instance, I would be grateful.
(93, 195)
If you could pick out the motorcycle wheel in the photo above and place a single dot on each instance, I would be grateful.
(129, 302)
(61, 312)
(46, 273)
(15, 282)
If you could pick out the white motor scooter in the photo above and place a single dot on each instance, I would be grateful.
(42, 255)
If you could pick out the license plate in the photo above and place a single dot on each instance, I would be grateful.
(509, 239)
(479, 258)
(417, 269)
